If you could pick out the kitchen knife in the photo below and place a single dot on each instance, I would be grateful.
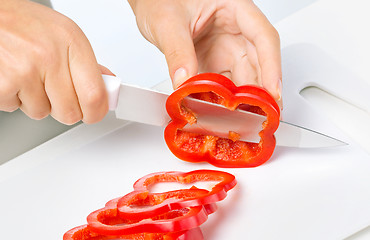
(149, 106)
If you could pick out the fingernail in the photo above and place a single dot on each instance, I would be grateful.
(179, 77)
(280, 104)
(279, 88)
(105, 70)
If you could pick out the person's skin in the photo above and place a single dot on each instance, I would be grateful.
(231, 37)
(47, 65)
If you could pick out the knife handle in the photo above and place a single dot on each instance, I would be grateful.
(112, 84)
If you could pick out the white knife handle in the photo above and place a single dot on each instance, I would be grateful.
(112, 85)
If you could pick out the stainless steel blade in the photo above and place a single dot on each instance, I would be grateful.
(148, 106)
(217, 120)
(291, 135)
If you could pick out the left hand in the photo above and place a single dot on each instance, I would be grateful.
(231, 37)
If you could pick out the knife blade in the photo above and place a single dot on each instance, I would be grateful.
(147, 106)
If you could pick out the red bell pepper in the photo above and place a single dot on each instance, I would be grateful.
(156, 204)
(172, 215)
(84, 233)
(140, 205)
(106, 221)
(220, 152)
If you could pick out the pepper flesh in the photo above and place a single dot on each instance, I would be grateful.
(221, 152)
(151, 205)
(84, 233)
(181, 221)
(106, 221)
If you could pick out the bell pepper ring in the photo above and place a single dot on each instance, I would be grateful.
(145, 205)
(139, 205)
(84, 233)
(106, 221)
(220, 152)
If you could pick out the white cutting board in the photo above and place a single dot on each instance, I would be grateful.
(298, 194)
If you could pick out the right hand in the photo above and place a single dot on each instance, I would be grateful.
(47, 66)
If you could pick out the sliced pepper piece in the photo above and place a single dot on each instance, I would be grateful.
(144, 204)
(106, 221)
(84, 233)
(220, 152)
(140, 205)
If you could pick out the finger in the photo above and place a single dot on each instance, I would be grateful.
(9, 100)
(218, 54)
(62, 96)
(10, 104)
(280, 104)
(173, 38)
(87, 80)
(104, 70)
(257, 29)
(226, 74)
(248, 70)
(34, 101)
(244, 73)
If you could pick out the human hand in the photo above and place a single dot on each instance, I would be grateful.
(231, 37)
(47, 65)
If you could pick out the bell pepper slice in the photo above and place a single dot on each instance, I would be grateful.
(220, 152)
(84, 233)
(144, 204)
(140, 205)
(106, 221)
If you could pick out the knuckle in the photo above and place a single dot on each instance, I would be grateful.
(26, 72)
(92, 119)
(176, 55)
(46, 53)
(8, 88)
(275, 34)
(69, 25)
(96, 98)
(41, 114)
(172, 53)
(96, 107)
(9, 101)
(23, 71)
(64, 26)
(9, 108)
(70, 117)
(43, 54)
(71, 30)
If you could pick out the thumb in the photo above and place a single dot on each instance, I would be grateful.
(176, 42)
(104, 70)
